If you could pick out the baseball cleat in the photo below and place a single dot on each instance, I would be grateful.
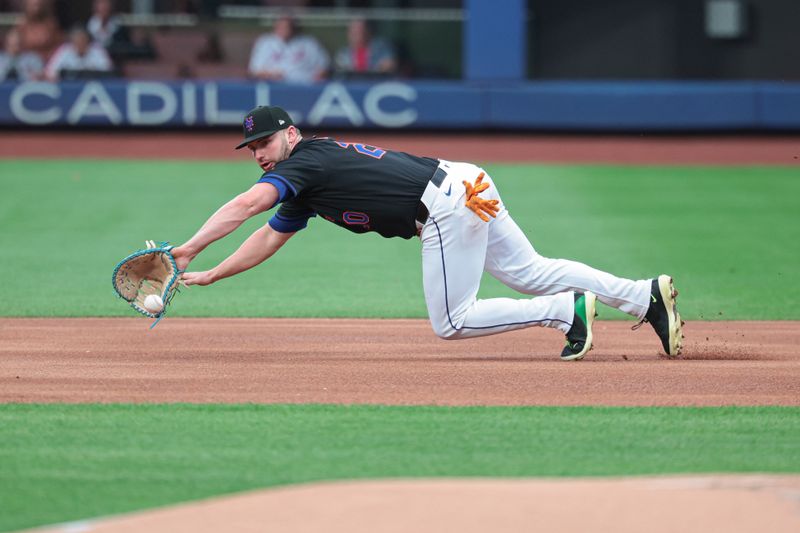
(663, 315)
(579, 336)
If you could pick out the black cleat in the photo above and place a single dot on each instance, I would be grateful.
(579, 336)
(663, 315)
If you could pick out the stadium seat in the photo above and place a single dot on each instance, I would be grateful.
(148, 70)
(179, 47)
(219, 71)
(236, 47)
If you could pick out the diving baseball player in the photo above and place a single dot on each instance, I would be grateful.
(458, 214)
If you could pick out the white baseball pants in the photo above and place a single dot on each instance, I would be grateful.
(457, 246)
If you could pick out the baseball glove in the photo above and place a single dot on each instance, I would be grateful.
(145, 272)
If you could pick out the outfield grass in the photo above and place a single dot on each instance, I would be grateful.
(727, 234)
(66, 462)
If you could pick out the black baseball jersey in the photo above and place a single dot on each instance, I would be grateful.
(358, 187)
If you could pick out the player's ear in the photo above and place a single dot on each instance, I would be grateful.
(292, 134)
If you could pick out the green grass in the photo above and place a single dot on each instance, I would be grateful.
(727, 234)
(66, 462)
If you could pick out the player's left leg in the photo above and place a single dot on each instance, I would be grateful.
(511, 258)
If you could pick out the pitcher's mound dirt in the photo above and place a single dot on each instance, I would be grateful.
(734, 504)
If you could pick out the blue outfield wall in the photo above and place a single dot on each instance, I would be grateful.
(568, 106)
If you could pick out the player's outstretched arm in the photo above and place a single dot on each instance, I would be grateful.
(259, 247)
(260, 198)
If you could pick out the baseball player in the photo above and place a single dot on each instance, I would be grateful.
(456, 211)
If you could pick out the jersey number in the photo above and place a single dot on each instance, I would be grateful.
(365, 149)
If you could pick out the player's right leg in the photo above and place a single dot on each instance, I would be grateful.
(454, 243)
(452, 264)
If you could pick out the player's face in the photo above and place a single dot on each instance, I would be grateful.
(271, 150)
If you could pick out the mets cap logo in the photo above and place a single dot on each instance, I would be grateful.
(249, 124)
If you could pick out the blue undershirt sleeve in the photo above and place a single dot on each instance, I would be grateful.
(283, 223)
(286, 190)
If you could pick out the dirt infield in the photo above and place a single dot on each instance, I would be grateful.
(713, 150)
(388, 362)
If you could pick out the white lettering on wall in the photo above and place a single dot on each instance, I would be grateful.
(335, 102)
(147, 103)
(189, 92)
(380, 117)
(94, 101)
(214, 115)
(29, 116)
(262, 94)
(138, 89)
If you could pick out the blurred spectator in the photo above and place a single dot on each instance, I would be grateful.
(211, 52)
(365, 54)
(103, 26)
(79, 58)
(121, 44)
(285, 54)
(38, 28)
(16, 64)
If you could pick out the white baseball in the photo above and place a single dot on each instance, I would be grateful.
(153, 303)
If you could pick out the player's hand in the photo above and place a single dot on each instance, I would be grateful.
(182, 257)
(478, 205)
(197, 278)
